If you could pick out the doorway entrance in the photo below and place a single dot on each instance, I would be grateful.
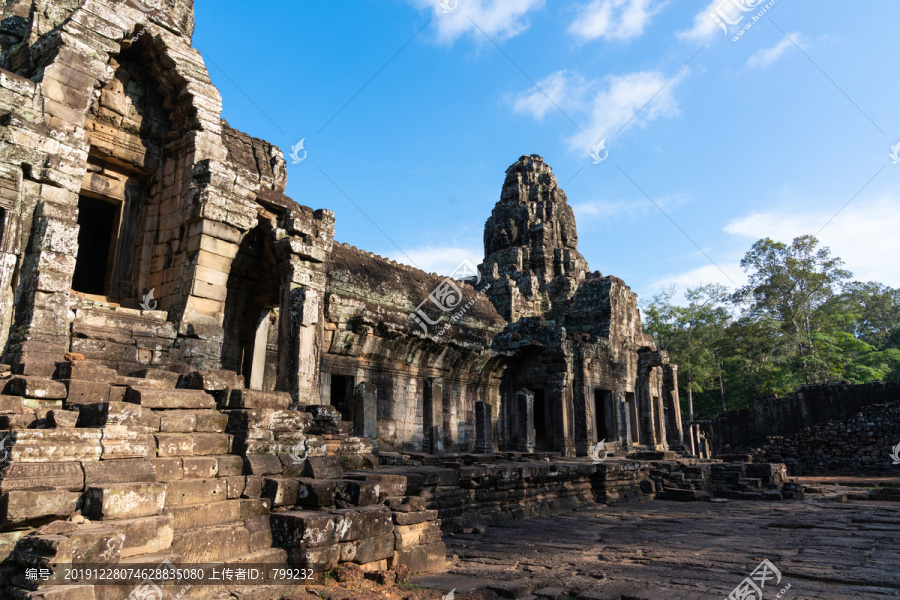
(98, 222)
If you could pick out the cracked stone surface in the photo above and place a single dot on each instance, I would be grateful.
(697, 551)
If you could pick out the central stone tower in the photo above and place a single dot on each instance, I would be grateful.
(531, 244)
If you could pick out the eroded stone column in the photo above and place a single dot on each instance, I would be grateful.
(433, 416)
(674, 431)
(303, 349)
(484, 428)
(525, 421)
(365, 412)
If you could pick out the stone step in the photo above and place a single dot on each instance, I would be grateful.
(124, 501)
(216, 513)
(212, 544)
(161, 398)
(86, 370)
(192, 444)
(146, 535)
(190, 492)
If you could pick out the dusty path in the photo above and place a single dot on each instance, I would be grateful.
(691, 551)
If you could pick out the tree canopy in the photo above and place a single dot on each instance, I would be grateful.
(800, 319)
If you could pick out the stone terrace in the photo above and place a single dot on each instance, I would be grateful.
(675, 551)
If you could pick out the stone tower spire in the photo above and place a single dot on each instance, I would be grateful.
(531, 244)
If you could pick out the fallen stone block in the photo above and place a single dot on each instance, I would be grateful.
(387, 485)
(308, 529)
(157, 398)
(414, 518)
(60, 418)
(368, 550)
(109, 413)
(282, 492)
(124, 501)
(86, 370)
(262, 464)
(54, 445)
(363, 522)
(405, 503)
(166, 378)
(86, 392)
(258, 399)
(319, 559)
(324, 467)
(431, 557)
(20, 507)
(35, 387)
(60, 475)
(408, 536)
(323, 413)
(18, 420)
(212, 380)
(315, 493)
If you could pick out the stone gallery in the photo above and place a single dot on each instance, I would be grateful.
(195, 372)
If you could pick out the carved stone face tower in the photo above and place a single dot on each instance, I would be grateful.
(531, 244)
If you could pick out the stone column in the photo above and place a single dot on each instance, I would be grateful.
(647, 361)
(583, 417)
(365, 412)
(624, 422)
(303, 344)
(674, 431)
(484, 428)
(525, 421)
(433, 416)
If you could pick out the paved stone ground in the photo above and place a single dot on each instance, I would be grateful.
(691, 551)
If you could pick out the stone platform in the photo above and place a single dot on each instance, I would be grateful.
(675, 551)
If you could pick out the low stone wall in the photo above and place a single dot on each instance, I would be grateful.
(858, 444)
(809, 405)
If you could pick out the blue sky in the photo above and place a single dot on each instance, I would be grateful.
(410, 116)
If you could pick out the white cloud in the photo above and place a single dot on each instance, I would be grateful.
(613, 19)
(705, 28)
(767, 56)
(557, 89)
(863, 234)
(610, 210)
(604, 107)
(438, 259)
(499, 19)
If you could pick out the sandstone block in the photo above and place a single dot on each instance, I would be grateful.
(126, 441)
(174, 444)
(211, 422)
(35, 387)
(106, 472)
(430, 557)
(109, 413)
(20, 507)
(177, 421)
(86, 392)
(325, 467)
(146, 535)
(414, 518)
(229, 465)
(204, 515)
(62, 475)
(85, 370)
(262, 464)
(62, 418)
(167, 378)
(408, 536)
(199, 467)
(124, 500)
(258, 399)
(213, 380)
(55, 445)
(187, 492)
(363, 522)
(368, 550)
(211, 544)
(320, 559)
(405, 503)
(167, 469)
(282, 492)
(307, 529)
(158, 398)
(387, 485)
(207, 444)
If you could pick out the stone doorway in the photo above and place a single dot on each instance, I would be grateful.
(252, 321)
(98, 222)
(543, 422)
(602, 409)
(341, 396)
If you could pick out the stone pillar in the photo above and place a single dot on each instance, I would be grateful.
(484, 428)
(303, 344)
(365, 412)
(583, 417)
(559, 396)
(647, 361)
(525, 421)
(624, 420)
(674, 430)
(433, 416)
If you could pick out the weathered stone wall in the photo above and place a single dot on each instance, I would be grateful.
(807, 406)
(860, 443)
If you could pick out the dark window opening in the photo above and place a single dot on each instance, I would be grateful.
(96, 236)
(342, 396)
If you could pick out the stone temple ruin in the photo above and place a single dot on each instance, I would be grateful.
(194, 371)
